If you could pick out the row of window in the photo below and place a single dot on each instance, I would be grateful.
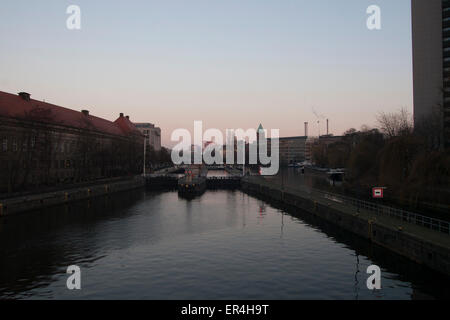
(58, 164)
(14, 145)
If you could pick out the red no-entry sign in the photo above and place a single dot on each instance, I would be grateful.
(378, 193)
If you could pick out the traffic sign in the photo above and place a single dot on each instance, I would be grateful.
(378, 193)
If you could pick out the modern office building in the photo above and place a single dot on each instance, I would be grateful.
(292, 150)
(309, 145)
(431, 62)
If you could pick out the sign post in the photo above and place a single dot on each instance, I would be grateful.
(378, 193)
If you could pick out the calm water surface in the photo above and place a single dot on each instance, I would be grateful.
(223, 245)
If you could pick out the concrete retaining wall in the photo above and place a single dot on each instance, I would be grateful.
(35, 202)
(421, 251)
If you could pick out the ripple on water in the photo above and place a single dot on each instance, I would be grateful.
(219, 246)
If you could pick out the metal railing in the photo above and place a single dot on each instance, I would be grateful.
(379, 209)
(164, 175)
(400, 214)
(225, 178)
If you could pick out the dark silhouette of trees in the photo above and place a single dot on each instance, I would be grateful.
(408, 160)
(42, 153)
(30, 151)
(395, 124)
(156, 159)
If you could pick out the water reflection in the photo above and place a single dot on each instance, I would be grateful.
(223, 245)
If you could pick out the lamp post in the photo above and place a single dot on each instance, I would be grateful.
(145, 150)
(243, 168)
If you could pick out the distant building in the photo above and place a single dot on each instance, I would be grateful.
(329, 139)
(431, 61)
(292, 150)
(43, 144)
(309, 145)
(260, 135)
(152, 133)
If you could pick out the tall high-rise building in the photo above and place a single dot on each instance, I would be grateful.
(431, 62)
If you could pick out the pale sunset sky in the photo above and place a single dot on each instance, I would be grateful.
(229, 63)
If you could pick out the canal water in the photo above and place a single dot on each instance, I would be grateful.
(222, 245)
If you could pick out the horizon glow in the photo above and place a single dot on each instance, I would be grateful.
(231, 64)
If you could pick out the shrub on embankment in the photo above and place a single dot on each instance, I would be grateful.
(410, 163)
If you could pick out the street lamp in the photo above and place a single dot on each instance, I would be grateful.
(145, 151)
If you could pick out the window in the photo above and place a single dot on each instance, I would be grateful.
(5, 144)
(14, 145)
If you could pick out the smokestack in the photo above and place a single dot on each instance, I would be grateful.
(85, 112)
(306, 129)
(328, 132)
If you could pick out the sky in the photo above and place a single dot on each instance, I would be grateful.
(229, 63)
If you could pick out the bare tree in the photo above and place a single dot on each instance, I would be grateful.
(31, 154)
(395, 124)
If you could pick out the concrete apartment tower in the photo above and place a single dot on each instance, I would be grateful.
(431, 61)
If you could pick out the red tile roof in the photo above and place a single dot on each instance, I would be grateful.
(126, 125)
(14, 106)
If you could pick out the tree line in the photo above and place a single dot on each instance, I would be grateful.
(410, 161)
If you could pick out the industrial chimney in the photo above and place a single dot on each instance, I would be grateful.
(306, 129)
(328, 132)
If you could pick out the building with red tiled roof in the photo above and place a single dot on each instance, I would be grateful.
(41, 143)
(21, 106)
